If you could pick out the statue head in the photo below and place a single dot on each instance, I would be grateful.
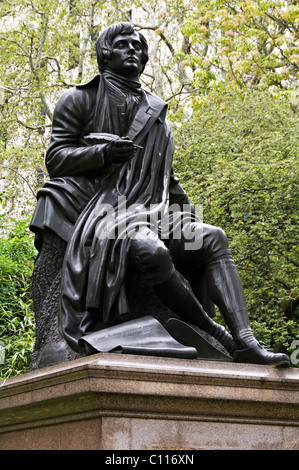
(121, 42)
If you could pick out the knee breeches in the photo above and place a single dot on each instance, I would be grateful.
(156, 259)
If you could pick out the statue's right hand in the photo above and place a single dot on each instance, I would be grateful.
(121, 151)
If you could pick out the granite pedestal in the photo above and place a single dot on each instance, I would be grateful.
(114, 402)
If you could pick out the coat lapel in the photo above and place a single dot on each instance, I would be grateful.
(151, 108)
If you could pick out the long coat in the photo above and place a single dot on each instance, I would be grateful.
(93, 289)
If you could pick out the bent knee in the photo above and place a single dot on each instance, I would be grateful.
(152, 259)
(219, 235)
(215, 235)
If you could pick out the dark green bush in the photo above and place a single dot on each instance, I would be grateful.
(17, 254)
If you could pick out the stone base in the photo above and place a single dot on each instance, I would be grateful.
(116, 402)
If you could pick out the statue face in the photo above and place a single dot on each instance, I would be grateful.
(126, 54)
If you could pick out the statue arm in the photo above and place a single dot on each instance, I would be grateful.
(66, 155)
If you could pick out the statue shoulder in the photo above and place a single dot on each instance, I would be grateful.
(79, 95)
(155, 99)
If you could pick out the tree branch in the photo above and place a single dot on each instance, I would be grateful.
(21, 176)
(48, 57)
(33, 128)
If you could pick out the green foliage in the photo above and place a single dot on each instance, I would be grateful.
(253, 43)
(17, 254)
(239, 158)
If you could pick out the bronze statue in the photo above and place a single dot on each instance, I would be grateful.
(111, 184)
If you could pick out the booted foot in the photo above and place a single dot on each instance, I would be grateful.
(259, 353)
(220, 333)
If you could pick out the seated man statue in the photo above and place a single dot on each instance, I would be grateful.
(112, 147)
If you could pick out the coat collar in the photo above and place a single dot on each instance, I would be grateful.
(93, 82)
(151, 109)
